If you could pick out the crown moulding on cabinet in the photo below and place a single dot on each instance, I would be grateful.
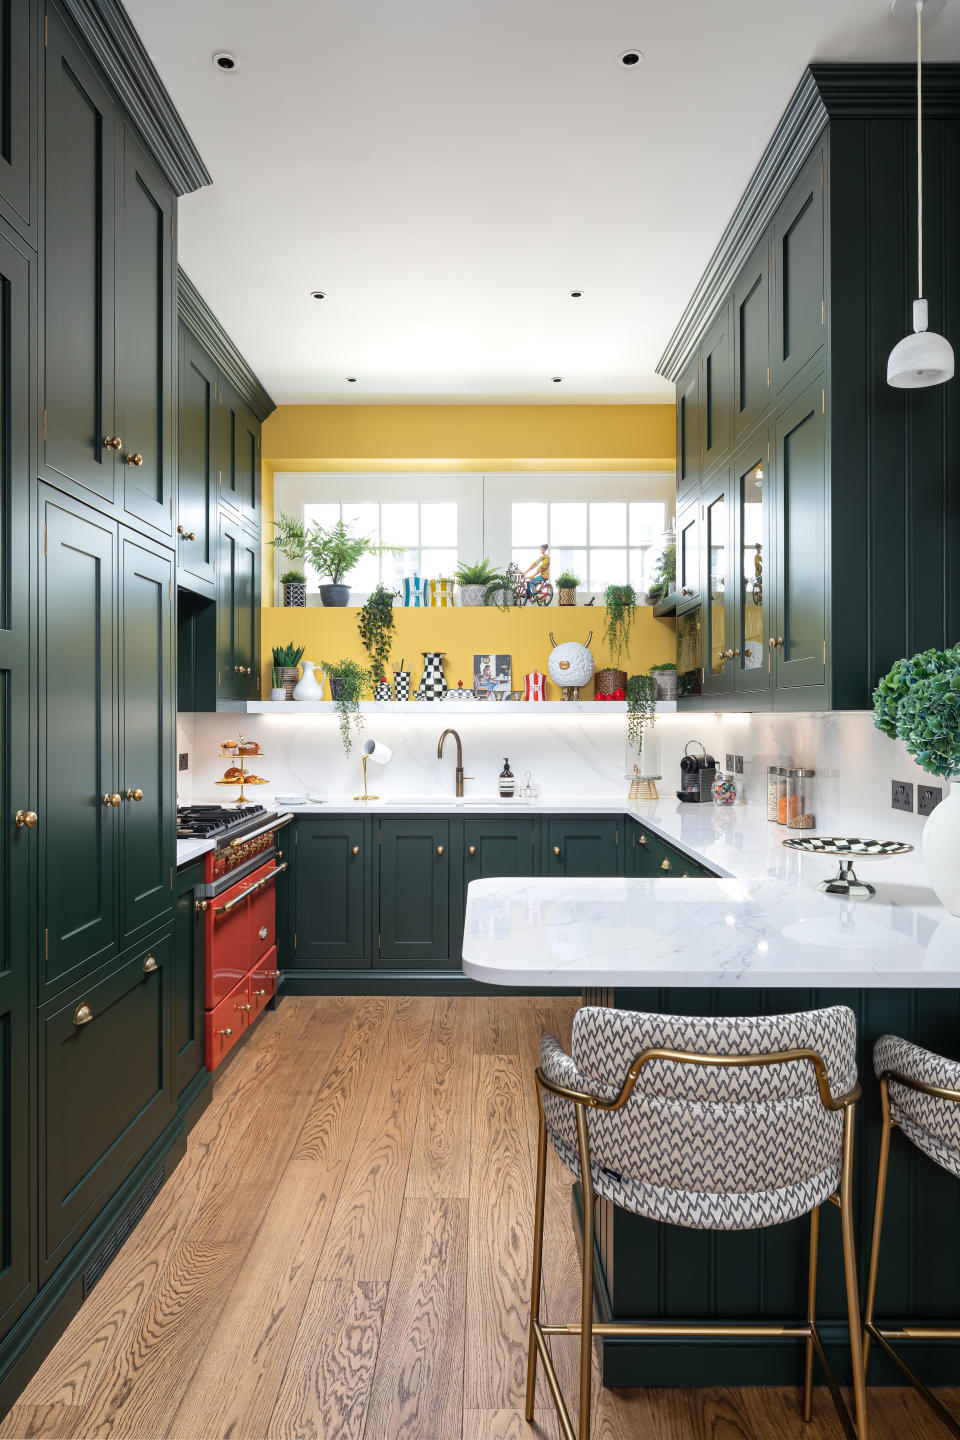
(195, 313)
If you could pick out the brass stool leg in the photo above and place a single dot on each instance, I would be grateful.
(809, 1348)
(850, 1276)
(537, 1257)
(878, 1207)
(586, 1303)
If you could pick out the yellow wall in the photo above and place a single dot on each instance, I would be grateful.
(461, 437)
(462, 632)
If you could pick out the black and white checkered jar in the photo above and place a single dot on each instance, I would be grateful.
(382, 691)
(401, 684)
(433, 682)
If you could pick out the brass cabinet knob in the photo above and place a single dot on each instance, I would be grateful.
(684, 876)
(241, 1008)
(134, 794)
(642, 840)
(134, 458)
(186, 534)
(355, 850)
(113, 800)
(775, 641)
(262, 932)
(112, 442)
(26, 817)
(780, 642)
(472, 849)
(228, 1031)
(736, 654)
(274, 973)
(82, 1015)
(439, 849)
(261, 993)
(200, 905)
(150, 964)
(728, 654)
(556, 849)
(685, 591)
(665, 864)
(238, 669)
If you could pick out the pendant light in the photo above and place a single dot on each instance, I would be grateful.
(923, 358)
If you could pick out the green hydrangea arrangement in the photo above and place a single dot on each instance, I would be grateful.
(918, 702)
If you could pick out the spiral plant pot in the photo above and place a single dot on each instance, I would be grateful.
(607, 681)
(941, 849)
(334, 594)
(295, 594)
(567, 597)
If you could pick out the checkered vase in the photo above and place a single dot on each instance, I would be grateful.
(414, 591)
(401, 684)
(382, 691)
(533, 683)
(433, 682)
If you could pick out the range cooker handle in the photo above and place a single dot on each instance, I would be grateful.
(250, 890)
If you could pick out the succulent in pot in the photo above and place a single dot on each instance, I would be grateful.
(286, 668)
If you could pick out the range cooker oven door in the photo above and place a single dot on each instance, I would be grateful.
(240, 927)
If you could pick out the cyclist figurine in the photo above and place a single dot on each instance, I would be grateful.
(541, 567)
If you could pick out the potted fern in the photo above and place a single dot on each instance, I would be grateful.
(290, 539)
(333, 553)
(483, 584)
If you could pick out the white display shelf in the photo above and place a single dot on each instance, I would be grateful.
(510, 708)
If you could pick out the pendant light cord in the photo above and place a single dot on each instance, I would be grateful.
(919, 149)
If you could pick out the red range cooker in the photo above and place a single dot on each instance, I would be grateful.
(237, 898)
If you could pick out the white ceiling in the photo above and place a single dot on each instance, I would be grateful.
(448, 171)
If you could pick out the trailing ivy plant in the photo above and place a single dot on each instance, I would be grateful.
(641, 705)
(355, 679)
(621, 606)
(918, 702)
(376, 625)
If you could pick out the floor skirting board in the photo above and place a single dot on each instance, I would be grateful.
(399, 982)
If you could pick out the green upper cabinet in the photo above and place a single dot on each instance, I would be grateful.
(332, 881)
(752, 569)
(799, 559)
(719, 591)
(751, 340)
(147, 737)
(198, 466)
(688, 428)
(79, 415)
(799, 310)
(581, 845)
(688, 553)
(78, 833)
(238, 612)
(239, 456)
(716, 391)
(415, 861)
(146, 340)
(19, 33)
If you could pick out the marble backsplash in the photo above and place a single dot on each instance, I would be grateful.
(578, 755)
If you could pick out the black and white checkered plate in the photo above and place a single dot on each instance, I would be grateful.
(839, 845)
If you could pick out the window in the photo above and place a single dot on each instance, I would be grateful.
(425, 531)
(605, 542)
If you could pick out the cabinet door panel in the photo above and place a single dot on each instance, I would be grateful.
(229, 445)
(751, 339)
(719, 571)
(716, 395)
(495, 847)
(800, 558)
(78, 834)
(247, 614)
(331, 904)
(78, 299)
(17, 790)
(106, 1088)
(230, 684)
(147, 737)
(799, 314)
(248, 467)
(197, 470)
(688, 427)
(145, 339)
(187, 999)
(584, 847)
(415, 892)
(752, 570)
(688, 556)
(18, 26)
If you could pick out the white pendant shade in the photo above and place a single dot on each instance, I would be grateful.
(921, 359)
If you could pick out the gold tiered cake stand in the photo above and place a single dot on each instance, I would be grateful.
(243, 776)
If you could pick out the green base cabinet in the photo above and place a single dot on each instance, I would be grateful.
(415, 864)
(187, 999)
(581, 845)
(332, 893)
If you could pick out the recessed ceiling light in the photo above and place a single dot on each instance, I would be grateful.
(556, 379)
(631, 57)
(225, 62)
(351, 379)
(576, 294)
(318, 294)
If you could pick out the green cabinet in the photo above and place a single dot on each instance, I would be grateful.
(198, 466)
(494, 847)
(239, 467)
(688, 554)
(106, 1088)
(688, 428)
(332, 893)
(19, 37)
(751, 340)
(716, 382)
(414, 864)
(187, 997)
(650, 857)
(581, 845)
(753, 576)
(800, 558)
(799, 309)
(716, 560)
(238, 612)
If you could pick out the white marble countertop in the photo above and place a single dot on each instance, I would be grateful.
(188, 850)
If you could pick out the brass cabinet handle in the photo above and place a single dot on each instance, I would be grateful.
(439, 849)
(556, 849)
(261, 993)
(780, 642)
(774, 641)
(82, 1015)
(243, 1007)
(113, 800)
(150, 964)
(642, 840)
(274, 973)
(728, 654)
(684, 876)
(685, 591)
(112, 442)
(250, 890)
(472, 849)
(134, 458)
(187, 534)
(200, 905)
(26, 817)
(736, 654)
(242, 670)
(355, 850)
(262, 932)
(134, 794)
(228, 1031)
(665, 865)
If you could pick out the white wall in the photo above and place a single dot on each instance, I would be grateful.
(568, 756)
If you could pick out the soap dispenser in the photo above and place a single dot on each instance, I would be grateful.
(506, 781)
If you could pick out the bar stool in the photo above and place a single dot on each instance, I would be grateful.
(920, 1094)
(714, 1124)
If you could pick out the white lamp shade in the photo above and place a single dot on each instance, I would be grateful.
(921, 359)
(376, 750)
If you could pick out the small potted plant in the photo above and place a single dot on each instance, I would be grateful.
(348, 680)
(665, 679)
(333, 553)
(918, 703)
(620, 603)
(290, 540)
(664, 581)
(376, 625)
(483, 584)
(567, 586)
(286, 670)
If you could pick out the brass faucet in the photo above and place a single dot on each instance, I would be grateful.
(460, 775)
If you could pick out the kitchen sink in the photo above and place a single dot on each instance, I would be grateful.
(443, 802)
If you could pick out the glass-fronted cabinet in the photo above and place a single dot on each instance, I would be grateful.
(752, 489)
(689, 652)
(720, 648)
(688, 556)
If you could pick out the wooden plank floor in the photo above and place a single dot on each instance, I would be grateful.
(344, 1254)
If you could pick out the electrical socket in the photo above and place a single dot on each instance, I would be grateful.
(184, 760)
(729, 764)
(928, 798)
(902, 795)
(738, 764)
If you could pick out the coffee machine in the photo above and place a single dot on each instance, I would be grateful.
(697, 774)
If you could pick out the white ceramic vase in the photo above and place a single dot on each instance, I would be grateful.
(941, 849)
(308, 687)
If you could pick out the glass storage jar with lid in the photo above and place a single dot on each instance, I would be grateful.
(781, 795)
(800, 798)
(772, 772)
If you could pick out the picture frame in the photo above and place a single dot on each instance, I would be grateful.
(491, 675)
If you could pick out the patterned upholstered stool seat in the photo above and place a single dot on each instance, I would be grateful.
(920, 1094)
(714, 1124)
